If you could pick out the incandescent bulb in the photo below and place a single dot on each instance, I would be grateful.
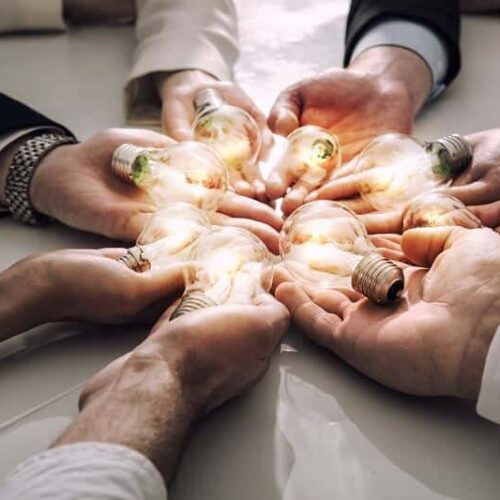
(438, 209)
(232, 132)
(324, 244)
(395, 168)
(312, 153)
(189, 172)
(167, 237)
(229, 266)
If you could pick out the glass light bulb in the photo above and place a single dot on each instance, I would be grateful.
(324, 244)
(312, 153)
(188, 172)
(167, 237)
(230, 266)
(231, 131)
(395, 168)
(438, 209)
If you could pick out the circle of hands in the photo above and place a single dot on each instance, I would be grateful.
(421, 344)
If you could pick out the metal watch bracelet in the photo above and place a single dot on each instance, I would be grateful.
(21, 171)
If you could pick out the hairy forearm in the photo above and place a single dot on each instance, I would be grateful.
(398, 67)
(479, 5)
(144, 408)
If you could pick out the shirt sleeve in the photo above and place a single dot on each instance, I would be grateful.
(174, 35)
(488, 403)
(31, 15)
(413, 36)
(93, 471)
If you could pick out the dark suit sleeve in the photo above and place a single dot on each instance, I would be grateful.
(442, 16)
(15, 116)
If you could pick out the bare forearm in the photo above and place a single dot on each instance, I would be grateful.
(399, 67)
(144, 408)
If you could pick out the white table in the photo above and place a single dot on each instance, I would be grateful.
(313, 429)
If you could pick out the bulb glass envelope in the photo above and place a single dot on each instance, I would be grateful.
(311, 155)
(232, 132)
(230, 266)
(438, 209)
(322, 242)
(170, 233)
(395, 168)
(188, 172)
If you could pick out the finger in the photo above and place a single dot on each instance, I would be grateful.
(345, 187)
(141, 137)
(280, 275)
(386, 222)
(312, 320)
(473, 194)
(235, 205)
(295, 197)
(160, 283)
(112, 253)
(386, 241)
(285, 113)
(357, 205)
(423, 245)
(178, 117)
(279, 179)
(332, 301)
(253, 175)
(244, 188)
(275, 313)
(488, 214)
(268, 235)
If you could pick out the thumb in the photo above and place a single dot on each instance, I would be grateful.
(285, 113)
(423, 245)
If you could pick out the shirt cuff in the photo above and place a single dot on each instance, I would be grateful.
(31, 15)
(94, 471)
(412, 36)
(488, 403)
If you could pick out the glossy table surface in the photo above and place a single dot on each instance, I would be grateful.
(313, 428)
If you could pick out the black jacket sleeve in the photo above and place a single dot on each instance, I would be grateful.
(15, 116)
(442, 16)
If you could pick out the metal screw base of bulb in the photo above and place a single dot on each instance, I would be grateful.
(207, 100)
(378, 279)
(455, 151)
(123, 160)
(193, 302)
(135, 260)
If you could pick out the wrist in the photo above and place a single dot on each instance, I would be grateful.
(398, 71)
(164, 81)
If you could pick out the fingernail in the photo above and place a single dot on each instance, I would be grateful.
(286, 121)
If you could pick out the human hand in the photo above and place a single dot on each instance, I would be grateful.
(178, 91)
(75, 185)
(380, 92)
(86, 285)
(422, 344)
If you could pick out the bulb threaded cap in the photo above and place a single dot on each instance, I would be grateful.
(135, 260)
(207, 100)
(454, 152)
(123, 160)
(378, 279)
(193, 302)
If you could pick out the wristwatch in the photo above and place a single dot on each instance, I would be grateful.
(21, 171)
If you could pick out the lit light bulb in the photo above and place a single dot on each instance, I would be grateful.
(324, 244)
(395, 168)
(167, 237)
(232, 132)
(312, 153)
(438, 209)
(189, 172)
(231, 266)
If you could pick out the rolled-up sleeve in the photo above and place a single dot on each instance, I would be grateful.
(93, 471)
(174, 35)
(31, 15)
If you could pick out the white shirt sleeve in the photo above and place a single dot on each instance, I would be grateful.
(174, 35)
(90, 471)
(412, 36)
(488, 403)
(31, 15)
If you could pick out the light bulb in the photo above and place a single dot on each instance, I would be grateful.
(312, 153)
(189, 172)
(232, 132)
(324, 244)
(230, 266)
(167, 237)
(395, 168)
(438, 209)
